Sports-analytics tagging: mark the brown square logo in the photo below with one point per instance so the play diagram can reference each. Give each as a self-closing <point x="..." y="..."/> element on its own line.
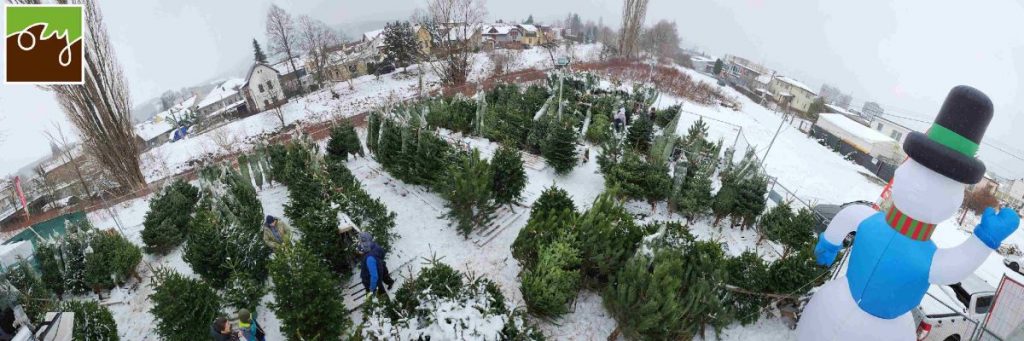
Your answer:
<point x="44" y="44"/>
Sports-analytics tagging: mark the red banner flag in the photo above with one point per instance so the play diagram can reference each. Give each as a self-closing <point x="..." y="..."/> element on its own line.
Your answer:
<point x="21" y="194"/>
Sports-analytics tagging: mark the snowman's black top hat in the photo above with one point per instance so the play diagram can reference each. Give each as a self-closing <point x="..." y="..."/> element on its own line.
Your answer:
<point x="950" y="146"/>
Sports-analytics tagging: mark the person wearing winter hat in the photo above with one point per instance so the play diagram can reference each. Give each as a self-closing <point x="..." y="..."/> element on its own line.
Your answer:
<point x="221" y="331"/>
<point x="251" y="330"/>
<point x="372" y="268"/>
<point x="276" y="232"/>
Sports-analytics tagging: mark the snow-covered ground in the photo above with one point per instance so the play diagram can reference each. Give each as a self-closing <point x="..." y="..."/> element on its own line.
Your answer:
<point x="800" y="163"/>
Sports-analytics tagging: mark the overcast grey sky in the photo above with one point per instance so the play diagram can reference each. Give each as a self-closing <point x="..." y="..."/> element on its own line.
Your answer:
<point x="903" y="54"/>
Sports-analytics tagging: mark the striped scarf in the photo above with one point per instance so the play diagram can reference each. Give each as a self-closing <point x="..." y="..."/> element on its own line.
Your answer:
<point x="907" y="226"/>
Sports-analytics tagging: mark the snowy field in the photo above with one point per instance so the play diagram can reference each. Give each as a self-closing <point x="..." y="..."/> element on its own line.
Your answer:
<point x="812" y="171"/>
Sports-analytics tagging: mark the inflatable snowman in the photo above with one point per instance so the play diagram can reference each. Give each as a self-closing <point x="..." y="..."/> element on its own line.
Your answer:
<point x="893" y="260"/>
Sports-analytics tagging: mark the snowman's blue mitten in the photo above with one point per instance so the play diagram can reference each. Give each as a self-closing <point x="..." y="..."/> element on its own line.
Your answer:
<point x="996" y="227"/>
<point x="825" y="252"/>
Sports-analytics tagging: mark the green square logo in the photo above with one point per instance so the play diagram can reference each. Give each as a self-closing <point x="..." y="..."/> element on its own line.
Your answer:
<point x="44" y="44"/>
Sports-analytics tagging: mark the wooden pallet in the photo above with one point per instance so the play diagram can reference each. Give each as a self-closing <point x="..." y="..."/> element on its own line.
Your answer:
<point x="504" y="218"/>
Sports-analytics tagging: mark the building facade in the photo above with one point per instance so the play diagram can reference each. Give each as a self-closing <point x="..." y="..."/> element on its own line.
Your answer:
<point x="262" y="89"/>
<point x="789" y="91"/>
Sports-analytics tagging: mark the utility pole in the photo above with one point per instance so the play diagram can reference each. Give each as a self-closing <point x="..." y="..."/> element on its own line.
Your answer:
<point x="777" y="131"/>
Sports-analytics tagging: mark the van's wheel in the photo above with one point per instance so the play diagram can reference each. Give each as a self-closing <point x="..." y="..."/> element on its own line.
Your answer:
<point x="1015" y="267"/>
<point x="953" y="338"/>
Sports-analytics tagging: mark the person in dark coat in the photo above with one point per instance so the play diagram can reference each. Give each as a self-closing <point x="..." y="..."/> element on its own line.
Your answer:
<point x="372" y="268"/>
<point x="221" y="331"/>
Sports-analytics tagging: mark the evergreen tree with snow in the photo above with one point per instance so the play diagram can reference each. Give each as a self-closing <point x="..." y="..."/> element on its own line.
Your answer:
<point x="544" y="228"/>
<point x="509" y="176"/>
<point x="796" y="274"/>
<point x="468" y="193"/>
<point x="313" y="215"/>
<point x="725" y="201"/>
<point x="21" y="285"/>
<point x="401" y="48"/>
<point x="750" y="273"/>
<point x="751" y="199"/>
<point x="638" y="178"/>
<point x="257" y="51"/>
<point x="695" y="198"/>
<point x="112" y="261"/>
<point x="243" y="168"/>
<point x="641" y="134"/>
<point x="646" y="298"/>
<point x="608" y="237"/>
<point x="559" y="146"/>
<point x="529" y="20"/>
<point x="344" y="141"/>
<point x="183" y="307"/>
<point x="92" y="321"/>
<point x="433" y="154"/>
<point x="166" y="224"/>
<point x="307" y="296"/>
<point x="552" y="199"/>
<point x="373" y="131"/>
<point x="553" y="283"/>
<point x="207" y="248"/>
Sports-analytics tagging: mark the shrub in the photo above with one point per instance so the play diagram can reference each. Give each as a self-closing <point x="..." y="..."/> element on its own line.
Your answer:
<point x="183" y="307"/>
<point x="92" y="321"/>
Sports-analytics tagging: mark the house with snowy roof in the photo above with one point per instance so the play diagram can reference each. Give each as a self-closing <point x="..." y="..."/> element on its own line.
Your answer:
<point x="867" y="147"/>
<point x="224" y="98"/>
<point x="262" y="89"/>
<point x="500" y="33"/>
<point x="292" y="74"/>
<point x="531" y="35"/>
<point x="897" y="126"/>
<point x="791" y="93"/>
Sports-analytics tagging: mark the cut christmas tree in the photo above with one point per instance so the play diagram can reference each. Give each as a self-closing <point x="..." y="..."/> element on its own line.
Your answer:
<point x="307" y="296"/>
<point x="183" y="307"/>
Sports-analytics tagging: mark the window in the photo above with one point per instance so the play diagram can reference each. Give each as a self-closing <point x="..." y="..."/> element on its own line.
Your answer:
<point x="270" y="85"/>
<point x="879" y="126"/>
<point x="982" y="304"/>
<point x="261" y="88"/>
<point x="266" y="102"/>
<point x="896" y="135"/>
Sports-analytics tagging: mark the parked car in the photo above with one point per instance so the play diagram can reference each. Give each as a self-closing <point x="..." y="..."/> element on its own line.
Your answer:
<point x="825" y="214"/>
<point x="1013" y="262"/>
<point x="947" y="311"/>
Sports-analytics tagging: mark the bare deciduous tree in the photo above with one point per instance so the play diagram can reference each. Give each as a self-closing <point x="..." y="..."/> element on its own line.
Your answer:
<point x="58" y="138"/>
<point x="100" y="108"/>
<point x="453" y="24"/>
<point x="661" y="40"/>
<point x="281" y="34"/>
<point x="633" y="13"/>
<point x="317" y="39"/>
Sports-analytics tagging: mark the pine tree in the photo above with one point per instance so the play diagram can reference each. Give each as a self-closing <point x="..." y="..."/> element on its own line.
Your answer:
<point x="639" y="179"/>
<point x="608" y="237"/>
<point x="258" y="55"/>
<point x="242" y="291"/>
<point x="554" y="282"/>
<point x="207" y="249"/>
<point x="21" y="285"/>
<point x="370" y="214"/>
<point x="318" y="223"/>
<point x="400" y="44"/>
<point x="718" y="66"/>
<point x="62" y="259"/>
<point x="433" y="154"/>
<point x="751" y="198"/>
<point x="373" y="131"/>
<point x="647" y="297"/>
<point x="92" y="321"/>
<point x="166" y="223"/>
<point x="641" y="133"/>
<point x="243" y="168"/>
<point x="529" y="20"/>
<point x="183" y="307"/>
<point x="307" y="298"/>
<point x="469" y="193"/>
<point x="796" y="274"/>
<point x="389" y="149"/>
<point x="695" y="198"/>
<point x="344" y="141"/>
<point x="750" y="273"/>
<point x="726" y="199"/>
<point x="544" y="228"/>
<point x="112" y="261"/>
<point x="257" y="172"/>
<point x="552" y="199"/>
<point x="509" y="177"/>
<point x="559" y="148"/>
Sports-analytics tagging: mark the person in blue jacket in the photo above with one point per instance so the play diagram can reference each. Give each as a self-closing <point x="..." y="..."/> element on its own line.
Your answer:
<point x="372" y="268"/>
